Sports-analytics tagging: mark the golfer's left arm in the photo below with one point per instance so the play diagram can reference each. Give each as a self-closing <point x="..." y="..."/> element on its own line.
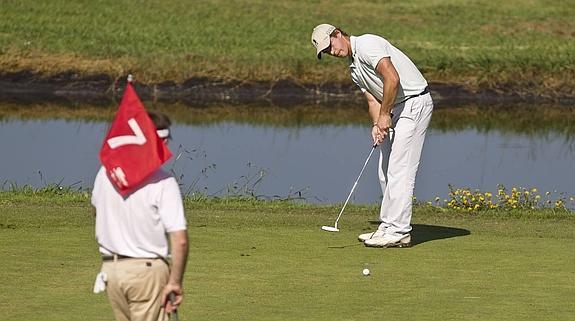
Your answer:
<point x="179" y="243"/>
<point x="373" y="106"/>
<point x="390" y="84"/>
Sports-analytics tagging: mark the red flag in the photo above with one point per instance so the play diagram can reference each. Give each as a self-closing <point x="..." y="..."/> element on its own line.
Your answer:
<point x="132" y="149"/>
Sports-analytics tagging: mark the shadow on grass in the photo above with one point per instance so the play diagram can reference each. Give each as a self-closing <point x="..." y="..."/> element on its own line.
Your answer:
<point x="422" y="233"/>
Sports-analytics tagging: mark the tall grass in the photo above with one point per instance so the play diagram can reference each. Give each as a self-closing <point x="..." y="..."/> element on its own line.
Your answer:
<point x="478" y="42"/>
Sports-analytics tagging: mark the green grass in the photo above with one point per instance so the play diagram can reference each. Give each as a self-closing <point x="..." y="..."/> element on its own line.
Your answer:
<point x="254" y="260"/>
<point x="479" y="43"/>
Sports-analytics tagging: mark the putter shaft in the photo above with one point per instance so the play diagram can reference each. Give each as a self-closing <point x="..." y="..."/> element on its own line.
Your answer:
<point x="354" y="185"/>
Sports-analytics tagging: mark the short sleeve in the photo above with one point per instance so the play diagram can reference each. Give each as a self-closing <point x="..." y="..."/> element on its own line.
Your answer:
<point x="373" y="49"/>
<point x="97" y="186"/>
<point x="171" y="207"/>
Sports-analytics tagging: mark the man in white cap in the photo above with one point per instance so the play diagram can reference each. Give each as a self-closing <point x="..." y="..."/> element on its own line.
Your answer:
<point x="400" y="108"/>
<point x="135" y="233"/>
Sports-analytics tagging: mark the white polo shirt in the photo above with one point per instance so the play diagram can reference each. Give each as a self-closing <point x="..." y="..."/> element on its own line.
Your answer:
<point x="137" y="226"/>
<point x="367" y="50"/>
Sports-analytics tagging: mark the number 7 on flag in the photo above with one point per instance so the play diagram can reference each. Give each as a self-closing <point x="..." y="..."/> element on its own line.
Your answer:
<point x="137" y="139"/>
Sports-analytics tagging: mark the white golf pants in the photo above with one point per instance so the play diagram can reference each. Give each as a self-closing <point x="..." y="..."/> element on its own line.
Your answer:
<point x="399" y="159"/>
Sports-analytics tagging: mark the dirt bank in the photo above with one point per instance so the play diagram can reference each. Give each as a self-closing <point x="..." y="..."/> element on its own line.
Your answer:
<point x="29" y="87"/>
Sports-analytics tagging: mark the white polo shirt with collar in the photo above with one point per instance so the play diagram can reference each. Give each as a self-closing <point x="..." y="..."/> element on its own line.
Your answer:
<point x="367" y="50"/>
<point x="136" y="226"/>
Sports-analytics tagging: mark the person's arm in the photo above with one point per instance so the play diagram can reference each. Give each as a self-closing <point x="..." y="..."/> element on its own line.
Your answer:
<point x="179" y="245"/>
<point x="373" y="107"/>
<point x="390" y="83"/>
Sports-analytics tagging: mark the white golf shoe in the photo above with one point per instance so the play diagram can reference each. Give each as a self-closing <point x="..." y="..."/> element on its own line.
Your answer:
<point x="390" y="240"/>
<point x="370" y="235"/>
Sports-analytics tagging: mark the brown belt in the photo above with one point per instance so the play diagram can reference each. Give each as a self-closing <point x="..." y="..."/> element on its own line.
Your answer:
<point x="107" y="258"/>
<point x="117" y="256"/>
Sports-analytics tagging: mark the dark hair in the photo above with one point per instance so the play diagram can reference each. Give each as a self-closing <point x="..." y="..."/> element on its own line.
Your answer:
<point x="339" y="29"/>
<point x="160" y="120"/>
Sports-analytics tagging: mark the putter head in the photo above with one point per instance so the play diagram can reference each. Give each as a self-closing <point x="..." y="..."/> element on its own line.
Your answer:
<point x="330" y="228"/>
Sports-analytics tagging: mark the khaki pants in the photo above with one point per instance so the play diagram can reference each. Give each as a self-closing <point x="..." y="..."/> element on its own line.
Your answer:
<point x="134" y="288"/>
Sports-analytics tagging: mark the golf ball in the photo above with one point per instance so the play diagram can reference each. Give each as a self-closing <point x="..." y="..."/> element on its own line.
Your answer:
<point x="365" y="272"/>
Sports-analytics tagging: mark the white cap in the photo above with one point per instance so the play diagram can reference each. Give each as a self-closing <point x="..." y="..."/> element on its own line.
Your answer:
<point x="320" y="37"/>
<point x="163" y="133"/>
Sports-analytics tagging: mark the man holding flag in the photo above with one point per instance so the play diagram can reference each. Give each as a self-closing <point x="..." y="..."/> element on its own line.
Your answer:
<point x="139" y="211"/>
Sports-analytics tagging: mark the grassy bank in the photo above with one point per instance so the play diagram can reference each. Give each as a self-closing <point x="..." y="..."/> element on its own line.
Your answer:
<point x="518" y="45"/>
<point x="269" y="261"/>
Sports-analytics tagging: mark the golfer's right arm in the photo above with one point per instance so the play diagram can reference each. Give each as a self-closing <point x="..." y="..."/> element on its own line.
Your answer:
<point x="179" y="243"/>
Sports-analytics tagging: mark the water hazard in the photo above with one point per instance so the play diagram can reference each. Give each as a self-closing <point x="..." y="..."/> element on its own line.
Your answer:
<point x="315" y="161"/>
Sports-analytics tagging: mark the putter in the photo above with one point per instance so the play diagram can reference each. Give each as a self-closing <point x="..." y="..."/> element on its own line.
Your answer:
<point x="334" y="228"/>
<point x="173" y="314"/>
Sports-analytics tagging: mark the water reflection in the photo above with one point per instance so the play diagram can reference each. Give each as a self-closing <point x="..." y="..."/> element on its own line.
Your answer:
<point x="320" y="162"/>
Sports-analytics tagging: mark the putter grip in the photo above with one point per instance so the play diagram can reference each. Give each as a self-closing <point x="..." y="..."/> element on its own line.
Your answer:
<point x="174" y="314"/>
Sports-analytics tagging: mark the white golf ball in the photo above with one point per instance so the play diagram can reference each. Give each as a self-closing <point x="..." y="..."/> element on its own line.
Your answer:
<point x="365" y="272"/>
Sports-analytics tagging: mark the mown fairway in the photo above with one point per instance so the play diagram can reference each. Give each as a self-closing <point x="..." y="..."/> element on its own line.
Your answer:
<point x="254" y="261"/>
<point x="487" y="43"/>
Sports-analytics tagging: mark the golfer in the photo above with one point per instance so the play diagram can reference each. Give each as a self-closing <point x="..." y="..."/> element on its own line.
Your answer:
<point x="400" y="108"/>
<point x="132" y="234"/>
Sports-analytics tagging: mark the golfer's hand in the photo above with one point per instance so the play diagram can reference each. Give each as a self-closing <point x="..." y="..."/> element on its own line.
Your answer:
<point x="375" y="135"/>
<point x="383" y="126"/>
<point x="178" y="294"/>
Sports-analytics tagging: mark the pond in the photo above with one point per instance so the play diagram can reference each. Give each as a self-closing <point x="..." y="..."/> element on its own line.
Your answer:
<point x="317" y="161"/>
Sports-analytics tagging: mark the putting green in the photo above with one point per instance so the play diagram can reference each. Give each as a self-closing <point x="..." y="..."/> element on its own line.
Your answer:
<point x="252" y="261"/>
